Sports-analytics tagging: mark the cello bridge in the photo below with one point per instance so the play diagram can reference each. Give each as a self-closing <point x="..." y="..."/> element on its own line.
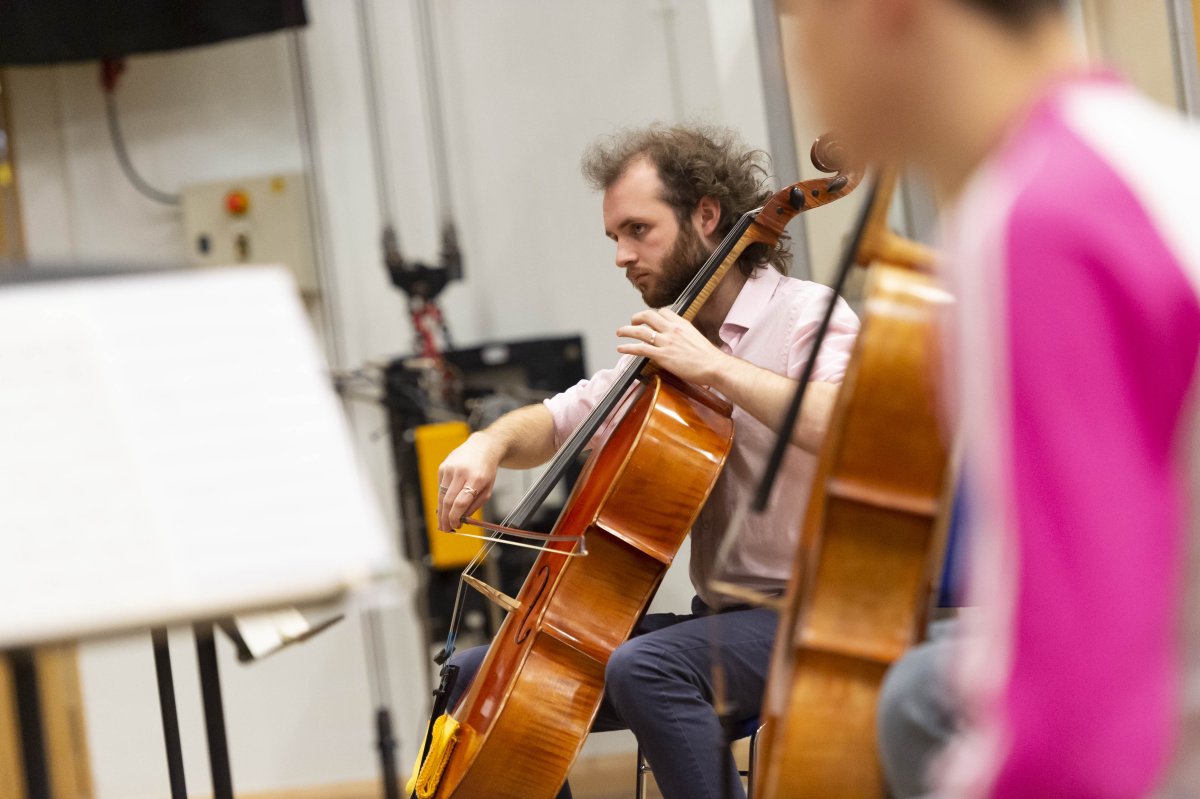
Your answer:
<point x="494" y="594"/>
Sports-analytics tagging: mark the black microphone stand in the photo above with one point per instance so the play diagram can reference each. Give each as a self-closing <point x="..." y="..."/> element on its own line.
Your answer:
<point x="29" y="718"/>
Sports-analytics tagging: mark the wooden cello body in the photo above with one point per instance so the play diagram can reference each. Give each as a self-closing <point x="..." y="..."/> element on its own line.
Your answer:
<point x="525" y="718"/>
<point x="870" y="545"/>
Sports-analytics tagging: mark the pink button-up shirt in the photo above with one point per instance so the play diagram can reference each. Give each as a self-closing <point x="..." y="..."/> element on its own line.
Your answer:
<point x="771" y="324"/>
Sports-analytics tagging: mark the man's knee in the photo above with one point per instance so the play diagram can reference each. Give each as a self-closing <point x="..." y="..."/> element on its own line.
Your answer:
<point x="631" y="668"/>
<point x="914" y="695"/>
<point x="468" y="662"/>
<point x="902" y="680"/>
<point x="915" y="717"/>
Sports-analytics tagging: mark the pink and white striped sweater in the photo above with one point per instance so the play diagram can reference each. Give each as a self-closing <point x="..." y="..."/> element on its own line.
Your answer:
<point x="1075" y="254"/>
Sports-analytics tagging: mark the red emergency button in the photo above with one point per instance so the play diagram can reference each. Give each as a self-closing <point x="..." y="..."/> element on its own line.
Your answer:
<point x="236" y="202"/>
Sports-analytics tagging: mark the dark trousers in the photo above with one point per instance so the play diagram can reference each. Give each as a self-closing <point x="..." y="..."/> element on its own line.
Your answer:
<point x="659" y="684"/>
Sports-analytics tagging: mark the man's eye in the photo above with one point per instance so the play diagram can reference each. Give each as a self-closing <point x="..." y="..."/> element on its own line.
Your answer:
<point x="638" y="229"/>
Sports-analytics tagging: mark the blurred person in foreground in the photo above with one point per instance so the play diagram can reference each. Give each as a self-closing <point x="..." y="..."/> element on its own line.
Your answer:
<point x="1071" y="240"/>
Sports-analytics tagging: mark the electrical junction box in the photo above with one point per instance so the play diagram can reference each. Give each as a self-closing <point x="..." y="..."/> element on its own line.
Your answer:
<point x="257" y="220"/>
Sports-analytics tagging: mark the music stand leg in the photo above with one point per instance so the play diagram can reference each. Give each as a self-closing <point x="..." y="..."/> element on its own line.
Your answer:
<point x="170" y="718"/>
<point x="386" y="743"/>
<point x="214" y="712"/>
<point x="29" y="717"/>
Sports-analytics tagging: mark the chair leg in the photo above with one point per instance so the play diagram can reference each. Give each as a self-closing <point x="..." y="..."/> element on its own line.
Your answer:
<point x="642" y="768"/>
<point x="752" y="765"/>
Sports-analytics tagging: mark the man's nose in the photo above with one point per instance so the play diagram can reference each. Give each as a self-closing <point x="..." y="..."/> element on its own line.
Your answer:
<point x="626" y="257"/>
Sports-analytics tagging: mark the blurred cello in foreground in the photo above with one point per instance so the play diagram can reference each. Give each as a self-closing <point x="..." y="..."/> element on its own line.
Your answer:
<point x="871" y="541"/>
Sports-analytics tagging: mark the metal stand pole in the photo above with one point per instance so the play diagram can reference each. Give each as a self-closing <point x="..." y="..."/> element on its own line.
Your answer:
<point x="781" y="132"/>
<point x="378" y="674"/>
<point x="385" y="741"/>
<point x="170" y="718"/>
<point x="214" y="712"/>
<point x="29" y="717"/>
<point x="1183" y="47"/>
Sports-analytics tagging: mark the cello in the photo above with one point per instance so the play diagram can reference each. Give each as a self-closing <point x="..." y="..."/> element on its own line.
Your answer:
<point x="520" y="726"/>
<point x="871" y="540"/>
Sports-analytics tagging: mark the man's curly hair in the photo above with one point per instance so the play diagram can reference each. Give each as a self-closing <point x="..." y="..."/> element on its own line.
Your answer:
<point x="693" y="162"/>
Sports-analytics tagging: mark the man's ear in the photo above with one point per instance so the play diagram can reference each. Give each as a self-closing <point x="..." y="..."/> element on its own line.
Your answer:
<point x="707" y="216"/>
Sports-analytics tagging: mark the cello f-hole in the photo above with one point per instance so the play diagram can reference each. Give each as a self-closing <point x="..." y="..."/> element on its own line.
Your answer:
<point x="525" y="628"/>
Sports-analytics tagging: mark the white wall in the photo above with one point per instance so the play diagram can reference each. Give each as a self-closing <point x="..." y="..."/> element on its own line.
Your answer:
<point x="1135" y="39"/>
<point x="527" y="85"/>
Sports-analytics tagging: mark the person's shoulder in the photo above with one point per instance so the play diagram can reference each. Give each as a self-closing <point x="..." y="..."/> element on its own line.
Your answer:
<point x="800" y="290"/>
<point x="1103" y="226"/>
<point x="807" y="300"/>
<point x="1096" y="169"/>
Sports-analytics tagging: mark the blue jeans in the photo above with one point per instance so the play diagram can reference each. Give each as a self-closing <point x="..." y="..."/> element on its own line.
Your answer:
<point x="917" y="713"/>
<point x="659" y="685"/>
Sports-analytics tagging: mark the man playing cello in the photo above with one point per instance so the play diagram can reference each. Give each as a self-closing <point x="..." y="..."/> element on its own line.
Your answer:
<point x="670" y="196"/>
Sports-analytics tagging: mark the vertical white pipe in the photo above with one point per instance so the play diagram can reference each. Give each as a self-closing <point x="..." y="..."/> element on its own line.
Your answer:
<point x="781" y="133"/>
<point x="1183" y="46"/>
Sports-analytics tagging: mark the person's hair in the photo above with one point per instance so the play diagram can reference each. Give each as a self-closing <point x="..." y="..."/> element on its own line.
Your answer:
<point x="1017" y="13"/>
<point x="694" y="162"/>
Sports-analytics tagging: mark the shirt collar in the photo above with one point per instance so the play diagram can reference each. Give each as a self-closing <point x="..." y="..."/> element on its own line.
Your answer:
<point x="749" y="305"/>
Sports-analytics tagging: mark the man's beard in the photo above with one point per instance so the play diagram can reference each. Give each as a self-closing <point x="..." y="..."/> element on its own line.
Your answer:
<point x="682" y="263"/>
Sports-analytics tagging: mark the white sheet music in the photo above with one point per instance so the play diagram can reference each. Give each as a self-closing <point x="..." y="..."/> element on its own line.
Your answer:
<point x="170" y="448"/>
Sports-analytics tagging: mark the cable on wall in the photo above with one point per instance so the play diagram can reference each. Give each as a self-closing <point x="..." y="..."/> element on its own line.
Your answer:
<point x="375" y="126"/>
<point x="669" y="15"/>
<point x="110" y="71"/>
<point x="431" y="90"/>
<point x="421" y="282"/>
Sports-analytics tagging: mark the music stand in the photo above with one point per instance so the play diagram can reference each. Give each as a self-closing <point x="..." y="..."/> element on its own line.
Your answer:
<point x="171" y="451"/>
